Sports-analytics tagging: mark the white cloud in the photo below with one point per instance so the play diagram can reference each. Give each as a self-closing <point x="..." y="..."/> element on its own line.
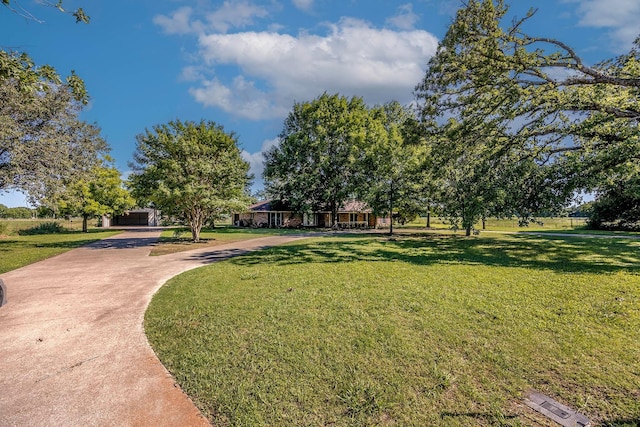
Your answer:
<point x="304" y="5"/>
<point x="353" y="58"/>
<point x="256" y="160"/>
<point x="241" y="98"/>
<point x="179" y="22"/>
<point x="232" y="14"/>
<point x="235" y="14"/>
<point x="405" y="19"/>
<point x="621" y="16"/>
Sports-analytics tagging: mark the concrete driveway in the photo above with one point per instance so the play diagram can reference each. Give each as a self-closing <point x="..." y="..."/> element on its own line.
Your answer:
<point x="72" y="346"/>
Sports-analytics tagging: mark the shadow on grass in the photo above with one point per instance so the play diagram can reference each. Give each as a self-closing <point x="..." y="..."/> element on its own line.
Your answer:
<point x="558" y="254"/>
<point x="635" y="422"/>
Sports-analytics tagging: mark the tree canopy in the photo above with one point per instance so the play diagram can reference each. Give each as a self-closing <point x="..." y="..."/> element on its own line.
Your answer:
<point x="563" y="125"/>
<point x="191" y="170"/>
<point x="392" y="165"/>
<point x="313" y="167"/>
<point x="42" y="140"/>
<point x="99" y="192"/>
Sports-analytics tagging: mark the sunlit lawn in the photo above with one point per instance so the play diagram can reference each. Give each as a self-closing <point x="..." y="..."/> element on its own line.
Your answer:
<point x="179" y="239"/>
<point x="411" y="331"/>
<point x="557" y="224"/>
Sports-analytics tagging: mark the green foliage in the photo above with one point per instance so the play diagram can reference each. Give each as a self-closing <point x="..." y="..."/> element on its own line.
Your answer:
<point x="392" y="165"/>
<point x="43" y="228"/>
<point x="315" y="165"/>
<point x="4" y="228"/>
<point x="417" y="331"/>
<point x="99" y="192"/>
<point x="559" y="133"/>
<point x="34" y="157"/>
<point x="16" y="213"/>
<point x="617" y="204"/>
<point x="193" y="171"/>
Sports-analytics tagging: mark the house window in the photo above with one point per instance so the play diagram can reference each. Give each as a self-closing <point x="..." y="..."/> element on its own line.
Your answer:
<point x="309" y="220"/>
<point x="353" y="217"/>
<point x="276" y="219"/>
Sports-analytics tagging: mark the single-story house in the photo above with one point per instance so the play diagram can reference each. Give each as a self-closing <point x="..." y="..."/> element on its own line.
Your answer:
<point x="135" y="217"/>
<point x="274" y="213"/>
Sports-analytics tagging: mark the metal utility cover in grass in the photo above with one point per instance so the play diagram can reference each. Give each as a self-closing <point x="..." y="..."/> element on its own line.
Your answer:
<point x="558" y="412"/>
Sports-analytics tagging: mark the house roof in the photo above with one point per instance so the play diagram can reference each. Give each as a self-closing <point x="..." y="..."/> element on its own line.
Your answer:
<point x="355" y="206"/>
<point x="269" y="206"/>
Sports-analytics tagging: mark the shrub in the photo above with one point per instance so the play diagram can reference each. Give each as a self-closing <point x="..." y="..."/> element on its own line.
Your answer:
<point x="43" y="228"/>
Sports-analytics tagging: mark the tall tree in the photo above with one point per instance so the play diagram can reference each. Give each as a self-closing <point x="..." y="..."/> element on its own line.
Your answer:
<point x="100" y="192"/>
<point x="391" y="166"/>
<point x="314" y="166"/>
<point x="42" y="141"/>
<point x="191" y="170"/>
<point x="576" y="127"/>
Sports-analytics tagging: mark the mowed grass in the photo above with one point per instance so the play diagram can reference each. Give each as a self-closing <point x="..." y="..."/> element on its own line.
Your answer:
<point x="17" y="251"/>
<point x="555" y="224"/>
<point x="412" y="331"/>
<point x="179" y="239"/>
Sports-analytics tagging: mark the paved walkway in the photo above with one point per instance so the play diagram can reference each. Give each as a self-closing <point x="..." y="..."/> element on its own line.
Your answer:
<point x="72" y="346"/>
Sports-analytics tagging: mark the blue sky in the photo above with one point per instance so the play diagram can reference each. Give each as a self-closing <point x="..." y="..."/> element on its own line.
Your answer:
<point x="243" y="63"/>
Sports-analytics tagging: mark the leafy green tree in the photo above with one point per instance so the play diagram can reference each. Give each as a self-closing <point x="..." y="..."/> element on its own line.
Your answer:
<point x="468" y="171"/>
<point x="315" y="165"/>
<point x="617" y="203"/>
<point x="193" y="171"/>
<point x="100" y="192"/>
<point x="42" y="141"/>
<point x="391" y="166"/>
<point x="575" y="127"/>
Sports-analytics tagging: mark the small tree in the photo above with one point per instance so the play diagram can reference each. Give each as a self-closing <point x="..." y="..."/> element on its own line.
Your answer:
<point x="101" y="192"/>
<point x="193" y="171"/>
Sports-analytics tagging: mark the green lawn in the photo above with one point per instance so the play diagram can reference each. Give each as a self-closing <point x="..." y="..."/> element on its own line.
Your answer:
<point x="411" y="331"/>
<point x="179" y="239"/>
<point x="557" y="224"/>
<point x="17" y="251"/>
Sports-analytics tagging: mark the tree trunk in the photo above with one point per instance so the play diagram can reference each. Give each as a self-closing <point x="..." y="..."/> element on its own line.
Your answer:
<point x="85" y="220"/>
<point x="195" y="223"/>
<point x="467" y="230"/>
<point x="484" y="223"/>
<point x="429" y="218"/>
<point x="334" y="214"/>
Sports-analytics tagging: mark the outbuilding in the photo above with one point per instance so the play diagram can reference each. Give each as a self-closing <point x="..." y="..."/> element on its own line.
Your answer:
<point x="136" y="217"/>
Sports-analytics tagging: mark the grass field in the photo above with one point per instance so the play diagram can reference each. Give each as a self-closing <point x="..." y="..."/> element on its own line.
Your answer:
<point x="411" y="331"/>
<point x="493" y="224"/>
<point x="19" y="250"/>
<point x="179" y="239"/>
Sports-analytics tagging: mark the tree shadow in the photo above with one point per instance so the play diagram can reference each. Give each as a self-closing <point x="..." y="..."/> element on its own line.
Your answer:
<point x="552" y="253"/>
<point x="629" y="422"/>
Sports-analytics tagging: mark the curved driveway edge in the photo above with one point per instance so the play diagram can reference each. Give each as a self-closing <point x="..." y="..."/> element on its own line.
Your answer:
<point x="72" y="346"/>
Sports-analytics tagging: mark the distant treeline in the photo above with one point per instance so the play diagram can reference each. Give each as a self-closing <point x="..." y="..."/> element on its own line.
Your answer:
<point x="25" y="213"/>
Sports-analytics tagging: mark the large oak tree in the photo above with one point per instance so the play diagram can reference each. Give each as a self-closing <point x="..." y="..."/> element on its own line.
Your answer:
<point x="567" y="124"/>
<point x="314" y="167"/>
